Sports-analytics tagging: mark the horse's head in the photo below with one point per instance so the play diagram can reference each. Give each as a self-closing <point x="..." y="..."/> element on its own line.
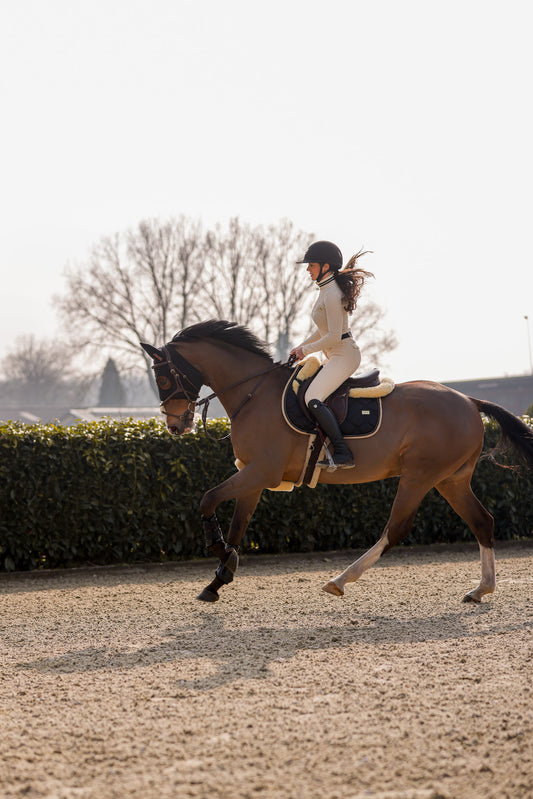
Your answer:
<point x="178" y="383"/>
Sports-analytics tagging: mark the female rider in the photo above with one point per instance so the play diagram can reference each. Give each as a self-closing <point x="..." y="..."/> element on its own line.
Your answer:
<point x="338" y="295"/>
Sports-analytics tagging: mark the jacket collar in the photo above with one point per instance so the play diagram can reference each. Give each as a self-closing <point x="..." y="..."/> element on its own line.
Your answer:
<point x="326" y="281"/>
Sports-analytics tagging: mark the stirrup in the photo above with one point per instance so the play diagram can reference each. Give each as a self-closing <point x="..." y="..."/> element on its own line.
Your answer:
<point x="331" y="465"/>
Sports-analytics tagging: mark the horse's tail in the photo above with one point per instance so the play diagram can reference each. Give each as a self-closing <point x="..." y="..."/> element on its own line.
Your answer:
<point x="516" y="435"/>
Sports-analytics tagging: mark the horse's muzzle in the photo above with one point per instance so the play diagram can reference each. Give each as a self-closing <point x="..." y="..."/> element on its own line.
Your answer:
<point x="180" y="429"/>
<point x="179" y="423"/>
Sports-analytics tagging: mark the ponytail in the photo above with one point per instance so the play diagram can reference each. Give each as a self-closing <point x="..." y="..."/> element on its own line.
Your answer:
<point x="351" y="280"/>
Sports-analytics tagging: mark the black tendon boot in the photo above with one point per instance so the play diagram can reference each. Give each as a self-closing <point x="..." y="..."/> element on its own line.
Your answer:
<point x="342" y="456"/>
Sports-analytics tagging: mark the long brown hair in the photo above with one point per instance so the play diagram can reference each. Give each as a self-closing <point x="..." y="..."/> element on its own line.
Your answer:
<point x="351" y="280"/>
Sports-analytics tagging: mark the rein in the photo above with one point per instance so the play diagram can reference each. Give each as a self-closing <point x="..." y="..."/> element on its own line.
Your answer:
<point x="205" y="402"/>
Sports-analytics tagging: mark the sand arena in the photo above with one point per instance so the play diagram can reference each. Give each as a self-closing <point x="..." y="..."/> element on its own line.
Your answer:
<point x="118" y="683"/>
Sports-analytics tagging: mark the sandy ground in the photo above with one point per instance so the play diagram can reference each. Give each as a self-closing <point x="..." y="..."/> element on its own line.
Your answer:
<point x="117" y="683"/>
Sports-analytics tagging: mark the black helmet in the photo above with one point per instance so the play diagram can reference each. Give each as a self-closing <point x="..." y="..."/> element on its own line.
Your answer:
<point x="323" y="252"/>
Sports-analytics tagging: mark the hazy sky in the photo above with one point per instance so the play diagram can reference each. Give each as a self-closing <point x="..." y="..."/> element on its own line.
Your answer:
<point x="405" y="127"/>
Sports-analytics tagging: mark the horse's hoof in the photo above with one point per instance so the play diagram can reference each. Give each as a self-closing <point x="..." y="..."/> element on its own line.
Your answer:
<point x="333" y="588"/>
<point x="208" y="596"/>
<point x="470" y="598"/>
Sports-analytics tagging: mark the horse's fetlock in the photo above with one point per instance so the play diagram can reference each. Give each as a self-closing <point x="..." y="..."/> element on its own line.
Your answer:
<point x="224" y="574"/>
<point x="227" y="568"/>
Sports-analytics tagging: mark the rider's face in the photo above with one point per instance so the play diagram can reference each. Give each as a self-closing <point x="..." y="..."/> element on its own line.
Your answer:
<point x="314" y="270"/>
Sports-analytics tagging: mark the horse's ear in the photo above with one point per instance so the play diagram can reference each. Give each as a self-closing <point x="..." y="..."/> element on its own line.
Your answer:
<point x="153" y="352"/>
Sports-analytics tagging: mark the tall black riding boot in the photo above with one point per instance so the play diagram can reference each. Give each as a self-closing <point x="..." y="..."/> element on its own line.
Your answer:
<point x="342" y="456"/>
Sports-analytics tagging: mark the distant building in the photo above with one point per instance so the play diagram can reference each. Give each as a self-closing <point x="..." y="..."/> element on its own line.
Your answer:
<point x="30" y="414"/>
<point x="69" y="416"/>
<point x="35" y="414"/>
<point x="75" y="415"/>
<point x="513" y="393"/>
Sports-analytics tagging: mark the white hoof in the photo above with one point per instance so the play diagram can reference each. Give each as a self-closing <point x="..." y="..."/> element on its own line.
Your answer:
<point x="472" y="597"/>
<point x="332" y="588"/>
<point x="479" y="593"/>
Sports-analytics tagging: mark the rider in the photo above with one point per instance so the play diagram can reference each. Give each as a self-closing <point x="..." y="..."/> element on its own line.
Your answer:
<point x="339" y="291"/>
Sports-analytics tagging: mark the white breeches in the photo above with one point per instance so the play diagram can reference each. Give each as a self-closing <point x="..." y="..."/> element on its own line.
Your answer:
<point x="338" y="367"/>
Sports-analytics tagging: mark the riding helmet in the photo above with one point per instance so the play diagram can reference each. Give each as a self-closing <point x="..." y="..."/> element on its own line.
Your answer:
<point x="323" y="252"/>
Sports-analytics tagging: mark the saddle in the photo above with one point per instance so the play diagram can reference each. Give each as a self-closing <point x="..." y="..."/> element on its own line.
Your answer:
<point x="356" y="403"/>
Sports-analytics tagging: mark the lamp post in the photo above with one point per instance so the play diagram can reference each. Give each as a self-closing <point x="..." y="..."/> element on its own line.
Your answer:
<point x="529" y="343"/>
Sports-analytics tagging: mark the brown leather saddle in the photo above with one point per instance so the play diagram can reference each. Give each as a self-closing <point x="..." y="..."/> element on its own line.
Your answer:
<point x="338" y="400"/>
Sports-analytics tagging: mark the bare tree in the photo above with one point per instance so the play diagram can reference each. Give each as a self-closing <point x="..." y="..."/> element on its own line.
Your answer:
<point x="375" y="342"/>
<point x="39" y="372"/>
<point x="285" y="293"/>
<point x="150" y="281"/>
<point x="253" y="278"/>
<point x="136" y="286"/>
<point x="230" y="291"/>
<point x="171" y="256"/>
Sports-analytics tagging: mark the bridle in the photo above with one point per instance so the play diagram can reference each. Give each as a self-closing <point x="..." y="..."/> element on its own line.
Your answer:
<point x="184" y="381"/>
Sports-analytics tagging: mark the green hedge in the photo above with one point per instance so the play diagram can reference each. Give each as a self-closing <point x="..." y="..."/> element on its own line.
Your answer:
<point x="111" y="492"/>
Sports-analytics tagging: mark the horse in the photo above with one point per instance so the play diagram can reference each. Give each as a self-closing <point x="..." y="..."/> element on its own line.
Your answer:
<point x="430" y="436"/>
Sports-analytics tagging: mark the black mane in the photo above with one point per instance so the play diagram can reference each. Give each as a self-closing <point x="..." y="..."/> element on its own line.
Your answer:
<point x="226" y="332"/>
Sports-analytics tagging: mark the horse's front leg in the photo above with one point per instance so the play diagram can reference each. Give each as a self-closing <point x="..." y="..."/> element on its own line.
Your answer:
<point x="228" y="553"/>
<point x="246" y="489"/>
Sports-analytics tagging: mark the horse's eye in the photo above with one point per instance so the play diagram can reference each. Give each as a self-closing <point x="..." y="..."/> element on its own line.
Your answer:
<point x="163" y="382"/>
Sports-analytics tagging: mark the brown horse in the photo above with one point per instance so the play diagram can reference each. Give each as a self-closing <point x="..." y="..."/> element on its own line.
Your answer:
<point x="430" y="436"/>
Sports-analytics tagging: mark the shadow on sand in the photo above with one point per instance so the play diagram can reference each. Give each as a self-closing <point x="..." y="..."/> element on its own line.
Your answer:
<point x="248" y="654"/>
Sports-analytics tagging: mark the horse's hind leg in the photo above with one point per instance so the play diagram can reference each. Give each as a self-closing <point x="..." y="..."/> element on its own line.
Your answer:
<point x="357" y="568"/>
<point x="458" y="493"/>
<point x="409" y="496"/>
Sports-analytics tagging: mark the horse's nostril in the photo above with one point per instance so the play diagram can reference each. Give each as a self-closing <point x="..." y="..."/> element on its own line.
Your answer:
<point x="173" y="429"/>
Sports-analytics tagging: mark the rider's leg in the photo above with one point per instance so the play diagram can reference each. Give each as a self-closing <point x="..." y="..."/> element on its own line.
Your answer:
<point x="342" y="455"/>
<point x="335" y="370"/>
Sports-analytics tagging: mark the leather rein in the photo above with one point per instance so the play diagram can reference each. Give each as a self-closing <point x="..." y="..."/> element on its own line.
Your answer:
<point x="191" y="395"/>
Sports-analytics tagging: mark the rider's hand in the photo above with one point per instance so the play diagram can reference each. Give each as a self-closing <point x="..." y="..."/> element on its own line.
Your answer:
<point x="297" y="353"/>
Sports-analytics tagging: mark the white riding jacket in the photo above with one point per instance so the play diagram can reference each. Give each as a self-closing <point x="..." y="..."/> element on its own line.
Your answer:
<point x="342" y="354"/>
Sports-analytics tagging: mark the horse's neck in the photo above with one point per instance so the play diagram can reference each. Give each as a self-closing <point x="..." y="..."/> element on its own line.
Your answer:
<point x="225" y="367"/>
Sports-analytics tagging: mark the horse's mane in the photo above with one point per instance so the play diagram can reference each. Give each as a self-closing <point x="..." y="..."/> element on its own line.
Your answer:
<point x="226" y="332"/>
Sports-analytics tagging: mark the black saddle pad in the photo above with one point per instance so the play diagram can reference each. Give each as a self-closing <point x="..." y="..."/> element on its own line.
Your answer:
<point x="363" y="417"/>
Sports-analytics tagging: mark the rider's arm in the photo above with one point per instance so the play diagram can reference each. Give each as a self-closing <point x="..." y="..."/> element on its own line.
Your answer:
<point x="312" y="338"/>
